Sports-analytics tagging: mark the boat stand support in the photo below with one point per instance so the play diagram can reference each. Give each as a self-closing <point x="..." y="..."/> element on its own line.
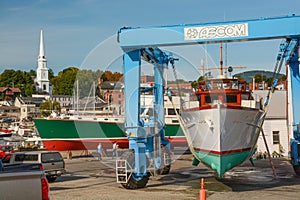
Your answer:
<point x="269" y="155"/>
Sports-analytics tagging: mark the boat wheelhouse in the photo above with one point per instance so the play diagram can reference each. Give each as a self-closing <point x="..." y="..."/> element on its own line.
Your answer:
<point x="226" y="91"/>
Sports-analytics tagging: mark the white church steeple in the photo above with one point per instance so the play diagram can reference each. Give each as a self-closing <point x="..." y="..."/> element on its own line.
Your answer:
<point x="42" y="52"/>
<point x="42" y="81"/>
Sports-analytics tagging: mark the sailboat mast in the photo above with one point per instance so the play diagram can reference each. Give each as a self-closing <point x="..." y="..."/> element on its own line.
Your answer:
<point x="77" y="98"/>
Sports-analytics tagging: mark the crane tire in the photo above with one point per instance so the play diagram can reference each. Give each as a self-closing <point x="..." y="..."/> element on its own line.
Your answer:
<point x="134" y="182"/>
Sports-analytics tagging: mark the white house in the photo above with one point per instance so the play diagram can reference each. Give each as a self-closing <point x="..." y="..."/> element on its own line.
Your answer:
<point x="275" y="126"/>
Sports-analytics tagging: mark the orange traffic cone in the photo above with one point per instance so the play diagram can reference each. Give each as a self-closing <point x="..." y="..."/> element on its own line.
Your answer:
<point x="202" y="193"/>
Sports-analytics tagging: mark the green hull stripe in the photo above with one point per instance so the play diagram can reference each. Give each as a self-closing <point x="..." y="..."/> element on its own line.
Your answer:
<point x="68" y="129"/>
<point x="222" y="163"/>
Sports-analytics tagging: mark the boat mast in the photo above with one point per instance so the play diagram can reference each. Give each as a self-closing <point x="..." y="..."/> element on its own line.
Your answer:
<point x="94" y="97"/>
<point x="221" y="59"/>
<point x="77" y="98"/>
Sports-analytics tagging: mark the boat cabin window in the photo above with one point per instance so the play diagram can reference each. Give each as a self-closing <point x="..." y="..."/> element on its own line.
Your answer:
<point x="215" y="98"/>
<point x="226" y="85"/>
<point x="242" y="86"/>
<point x="222" y="84"/>
<point x="208" y="85"/>
<point x="221" y="91"/>
<point x="202" y="87"/>
<point x="171" y="111"/>
<point x="211" y="98"/>
<point x="235" y="84"/>
<point x="147" y="111"/>
<point x="217" y="85"/>
<point x="231" y="98"/>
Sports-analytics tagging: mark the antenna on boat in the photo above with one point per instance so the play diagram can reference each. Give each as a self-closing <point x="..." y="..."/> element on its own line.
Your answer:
<point x="202" y="66"/>
<point x="220" y="68"/>
<point x="221" y="59"/>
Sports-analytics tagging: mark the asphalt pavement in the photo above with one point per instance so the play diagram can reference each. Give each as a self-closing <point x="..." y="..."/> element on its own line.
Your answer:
<point x="87" y="178"/>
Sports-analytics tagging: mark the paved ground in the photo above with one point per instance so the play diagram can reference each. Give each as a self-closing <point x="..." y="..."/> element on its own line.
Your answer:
<point x="88" y="178"/>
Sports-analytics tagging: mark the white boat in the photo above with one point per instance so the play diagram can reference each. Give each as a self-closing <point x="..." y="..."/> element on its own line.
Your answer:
<point x="223" y="129"/>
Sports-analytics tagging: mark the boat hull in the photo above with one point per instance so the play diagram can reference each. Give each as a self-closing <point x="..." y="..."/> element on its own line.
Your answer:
<point x="222" y="137"/>
<point x="66" y="135"/>
<point x="2" y="135"/>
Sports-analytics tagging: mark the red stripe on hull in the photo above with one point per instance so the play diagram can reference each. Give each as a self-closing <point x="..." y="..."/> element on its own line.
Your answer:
<point x="228" y="105"/>
<point x="67" y="145"/>
<point x="223" y="152"/>
<point x="178" y="142"/>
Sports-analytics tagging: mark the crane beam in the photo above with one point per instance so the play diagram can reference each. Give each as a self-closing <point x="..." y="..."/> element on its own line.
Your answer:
<point x="183" y="34"/>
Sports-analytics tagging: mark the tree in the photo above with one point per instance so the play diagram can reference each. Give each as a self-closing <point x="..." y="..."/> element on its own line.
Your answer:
<point x="260" y="78"/>
<point x="201" y="78"/>
<point x="63" y="84"/>
<point x="48" y="106"/>
<point x="283" y="78"/>
<point x="18" y="79"/>
<point x="109" y="76"/>
<point x="194" y="84"/>
<point x="32" y="73"/>
<point x="239" y="77"/>
<point x="50" y="74"/>
<point x="86" y="79"/>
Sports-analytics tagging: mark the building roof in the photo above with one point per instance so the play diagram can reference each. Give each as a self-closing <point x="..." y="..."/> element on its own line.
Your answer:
<point x="277" y="107"/>
<point x="31" y="100"/>
<point x="57" y="96"/>
<point x="2" y="89"/>
<point x="112" y="85"/>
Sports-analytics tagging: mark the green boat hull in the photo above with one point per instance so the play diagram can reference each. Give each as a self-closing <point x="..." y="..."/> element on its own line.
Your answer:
<point x="221" y="163"/>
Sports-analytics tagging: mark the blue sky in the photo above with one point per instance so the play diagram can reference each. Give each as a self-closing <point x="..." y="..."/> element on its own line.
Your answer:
<point x="77" y="31"/>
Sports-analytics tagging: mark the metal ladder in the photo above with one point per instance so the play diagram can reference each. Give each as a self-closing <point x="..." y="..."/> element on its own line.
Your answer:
<point x="123" y="171"/>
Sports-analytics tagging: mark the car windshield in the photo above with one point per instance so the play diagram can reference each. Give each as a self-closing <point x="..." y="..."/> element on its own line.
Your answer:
<point x="51" y="157"/>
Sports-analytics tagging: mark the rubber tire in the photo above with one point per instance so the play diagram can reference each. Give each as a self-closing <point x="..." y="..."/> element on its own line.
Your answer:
<point x="297" y="170"/>
<point x="51" y="179"/>
<point x="166" y="169"/>
<point x="132" y="182"/>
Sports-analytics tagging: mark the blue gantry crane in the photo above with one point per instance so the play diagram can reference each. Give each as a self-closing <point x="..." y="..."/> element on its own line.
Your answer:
<point x="149" y="150"/>
<point x="148" y="147"/>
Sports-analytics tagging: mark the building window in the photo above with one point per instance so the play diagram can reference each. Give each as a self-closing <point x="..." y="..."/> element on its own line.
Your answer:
<point x="276" y="137"/>
<point x="44" y="87"/>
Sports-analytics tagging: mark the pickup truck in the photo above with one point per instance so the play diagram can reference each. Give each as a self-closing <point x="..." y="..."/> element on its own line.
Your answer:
<point x="23" y="181"/>
<point x="52" y="161"/>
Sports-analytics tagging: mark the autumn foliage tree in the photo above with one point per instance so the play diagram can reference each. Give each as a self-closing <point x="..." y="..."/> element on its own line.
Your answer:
<point x="109" y="76"/>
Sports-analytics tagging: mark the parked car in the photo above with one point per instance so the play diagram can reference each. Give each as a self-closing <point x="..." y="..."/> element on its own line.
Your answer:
<point x="23" y="181"/>
<point x="5" y="149"/>
<point x="7" y="120"/>
<point x="52" y="161"/>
